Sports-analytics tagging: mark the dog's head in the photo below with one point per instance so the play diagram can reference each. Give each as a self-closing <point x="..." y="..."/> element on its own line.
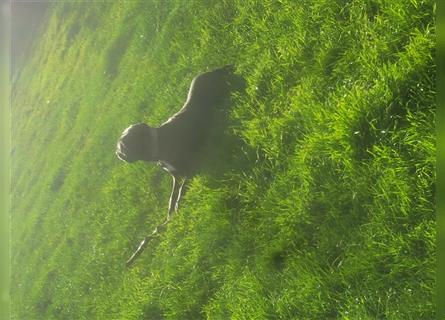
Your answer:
<point x="137" y="142"/>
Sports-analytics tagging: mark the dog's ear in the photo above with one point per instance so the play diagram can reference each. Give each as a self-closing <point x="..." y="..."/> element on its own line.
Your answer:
<point x="134" y="143"/>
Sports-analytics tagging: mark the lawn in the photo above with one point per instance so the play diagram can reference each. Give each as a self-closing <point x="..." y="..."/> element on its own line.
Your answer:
<point x="317" y="203"/>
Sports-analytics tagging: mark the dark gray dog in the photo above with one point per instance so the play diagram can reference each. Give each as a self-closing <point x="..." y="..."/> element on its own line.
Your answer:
<point x="175" y="145"/>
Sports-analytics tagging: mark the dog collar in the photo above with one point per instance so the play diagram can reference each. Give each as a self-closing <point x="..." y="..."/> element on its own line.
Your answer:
<point x="167" y="167"/>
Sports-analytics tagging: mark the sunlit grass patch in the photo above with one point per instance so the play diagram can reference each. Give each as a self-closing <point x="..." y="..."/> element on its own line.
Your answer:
<point x="317" y="203"/>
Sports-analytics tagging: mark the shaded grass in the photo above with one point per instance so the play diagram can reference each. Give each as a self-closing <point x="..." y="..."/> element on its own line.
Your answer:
<point x="317" y="203"/>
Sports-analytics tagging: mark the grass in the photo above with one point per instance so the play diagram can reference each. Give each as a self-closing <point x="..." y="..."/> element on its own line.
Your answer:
<point x="317" y="204"/>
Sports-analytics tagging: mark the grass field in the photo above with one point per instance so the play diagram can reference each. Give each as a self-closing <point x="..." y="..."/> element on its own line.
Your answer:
<point x="318" y="203"/>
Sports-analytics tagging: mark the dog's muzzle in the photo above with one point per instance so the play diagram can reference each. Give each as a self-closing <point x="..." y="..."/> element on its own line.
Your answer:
<point x="120" y="152"/>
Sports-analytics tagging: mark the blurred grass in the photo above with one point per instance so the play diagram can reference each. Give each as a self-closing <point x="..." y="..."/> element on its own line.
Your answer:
<point x="5" y="160"/>
<point x="318" y="203"/>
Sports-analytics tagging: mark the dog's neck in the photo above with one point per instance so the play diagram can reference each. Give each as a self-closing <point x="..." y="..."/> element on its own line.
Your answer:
<point x="161" y="142"/>
<point x="154" y="143"/>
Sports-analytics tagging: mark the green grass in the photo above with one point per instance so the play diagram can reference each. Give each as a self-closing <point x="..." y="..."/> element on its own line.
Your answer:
<point x="317" y="204"/>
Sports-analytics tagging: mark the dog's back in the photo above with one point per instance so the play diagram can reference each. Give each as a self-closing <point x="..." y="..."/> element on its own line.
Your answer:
<point x="188" y="129"/>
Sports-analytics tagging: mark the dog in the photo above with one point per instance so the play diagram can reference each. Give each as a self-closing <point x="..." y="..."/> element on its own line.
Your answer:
<point x="176" y="144"/>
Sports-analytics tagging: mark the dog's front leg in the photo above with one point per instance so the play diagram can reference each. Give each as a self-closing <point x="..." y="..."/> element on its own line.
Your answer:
<point x="173" y="197"/>
<point x="177" y="191"/>
<point x="182" y="190"/>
